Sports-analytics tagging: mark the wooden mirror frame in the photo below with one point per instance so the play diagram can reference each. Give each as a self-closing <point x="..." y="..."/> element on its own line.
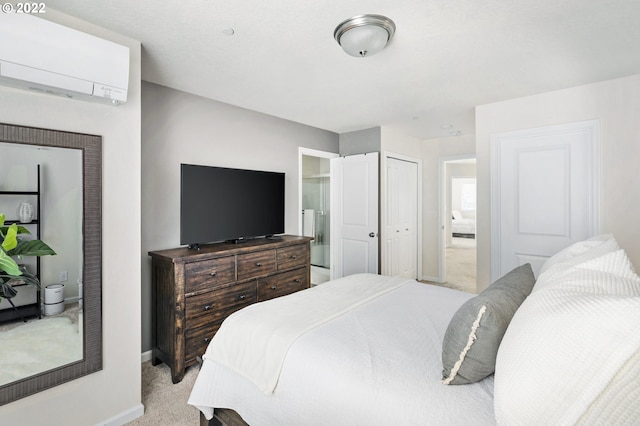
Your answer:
<point x="91" y="147"/>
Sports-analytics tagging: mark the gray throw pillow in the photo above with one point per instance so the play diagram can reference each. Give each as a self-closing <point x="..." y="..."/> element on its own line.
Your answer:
<point x="471" y="342"/>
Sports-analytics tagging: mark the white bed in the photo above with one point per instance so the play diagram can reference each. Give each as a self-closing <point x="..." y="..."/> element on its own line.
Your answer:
<point x="379" y="363"/>
<point x="461" y="226"/>
<point x="562" y="349"/>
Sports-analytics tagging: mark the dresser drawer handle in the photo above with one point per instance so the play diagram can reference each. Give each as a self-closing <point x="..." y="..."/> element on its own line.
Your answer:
<point x="294" y="257"/>
<point x="213" y="274"/>
<point x="207" y="339"/>
<point x="242" y="297"/>
<point x="258" y="264"/>
<point x="297" y="280"/>
<point x="273" y="287"/>
<point x="207" y="307"/>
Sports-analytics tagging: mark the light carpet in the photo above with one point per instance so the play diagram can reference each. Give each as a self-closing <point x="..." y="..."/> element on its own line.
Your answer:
<point x="165" y="404"/>
<point x="39" y="345"/>
<point x="461" y="265"/>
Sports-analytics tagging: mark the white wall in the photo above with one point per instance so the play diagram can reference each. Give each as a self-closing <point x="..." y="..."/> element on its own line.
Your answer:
<point x="395" y="142"/>
<point x="616" y="104"/>
<point x="116" y="389"/>
<point x="178" y="127"/>
<point x="432" y="151"/>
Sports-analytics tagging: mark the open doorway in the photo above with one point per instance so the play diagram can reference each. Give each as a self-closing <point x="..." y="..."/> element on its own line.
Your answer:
<point x="315" y="209"/>
<point x="458" y="242"/>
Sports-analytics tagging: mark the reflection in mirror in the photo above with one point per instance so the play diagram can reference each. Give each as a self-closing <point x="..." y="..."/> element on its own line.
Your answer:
<point x="55" y="335"/>
<point x="42" y="332"/>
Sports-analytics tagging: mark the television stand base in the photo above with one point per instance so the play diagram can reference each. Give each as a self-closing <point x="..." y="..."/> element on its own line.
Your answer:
<point x="237" y="241"/>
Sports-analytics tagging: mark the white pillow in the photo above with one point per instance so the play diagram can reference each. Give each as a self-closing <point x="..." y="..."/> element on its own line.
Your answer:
<point x="594" y="276"/>
<point x="457" y="215"/>
<point x="570" y="353"/>
<point x="581" y="251"/>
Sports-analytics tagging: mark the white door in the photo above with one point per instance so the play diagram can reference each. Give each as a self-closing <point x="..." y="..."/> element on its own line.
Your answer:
<point x="544" y="193"/>
<point x="401" y="218"/>
<point x="354" y="226"/>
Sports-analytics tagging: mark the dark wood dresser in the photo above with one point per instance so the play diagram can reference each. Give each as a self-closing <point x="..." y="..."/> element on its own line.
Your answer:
<point x="195" y="290"/>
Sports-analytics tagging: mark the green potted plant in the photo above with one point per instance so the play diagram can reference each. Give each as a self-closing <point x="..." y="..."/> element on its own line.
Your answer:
<point x="12" y="245"/>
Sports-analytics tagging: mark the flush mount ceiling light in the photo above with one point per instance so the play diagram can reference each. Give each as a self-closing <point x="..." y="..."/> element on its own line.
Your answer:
<point x="364" y="35"/>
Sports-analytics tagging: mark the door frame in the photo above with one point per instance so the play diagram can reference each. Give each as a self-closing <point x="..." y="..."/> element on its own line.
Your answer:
<point x="309" y="152"/>
<point x="443" y="184"/>
<point x="383" y="208"/>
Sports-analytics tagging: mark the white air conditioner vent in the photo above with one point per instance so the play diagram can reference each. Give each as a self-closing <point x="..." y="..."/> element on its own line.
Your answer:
<point x="43" y="56"/>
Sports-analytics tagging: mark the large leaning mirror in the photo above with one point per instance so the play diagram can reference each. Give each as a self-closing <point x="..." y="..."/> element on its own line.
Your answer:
<point x="52" y="335"/>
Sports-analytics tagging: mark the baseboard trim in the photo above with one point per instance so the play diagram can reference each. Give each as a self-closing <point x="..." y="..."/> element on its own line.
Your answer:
<point x="146" y="356"/>
<point x="432" y="279"/>
<point x="124" y="417"/>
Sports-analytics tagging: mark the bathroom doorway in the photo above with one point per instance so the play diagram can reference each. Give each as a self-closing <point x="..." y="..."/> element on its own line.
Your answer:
<point x="315" y="209"/>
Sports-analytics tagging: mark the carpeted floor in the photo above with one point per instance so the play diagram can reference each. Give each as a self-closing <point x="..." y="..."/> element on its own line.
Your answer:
<point x="461" y="264"/>
<point x="40" y="344"/>
<point x="165" y="404"/>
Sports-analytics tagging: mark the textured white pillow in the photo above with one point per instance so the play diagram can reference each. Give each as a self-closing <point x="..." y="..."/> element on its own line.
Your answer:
<point x="570" y="353"/>
<point x="594" y="276"/>
<point x="581" y="251"/>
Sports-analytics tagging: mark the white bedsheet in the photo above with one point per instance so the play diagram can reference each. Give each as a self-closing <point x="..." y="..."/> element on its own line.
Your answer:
<point x="378" y="364"/>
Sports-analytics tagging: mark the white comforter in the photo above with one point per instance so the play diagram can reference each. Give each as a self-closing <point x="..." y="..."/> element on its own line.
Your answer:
<point x="255" y="343"/>
<point x="379" y="363"/>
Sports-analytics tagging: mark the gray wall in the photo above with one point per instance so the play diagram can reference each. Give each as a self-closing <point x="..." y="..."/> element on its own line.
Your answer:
<point x="360" y="141"/>
<point x="178" y="127"/>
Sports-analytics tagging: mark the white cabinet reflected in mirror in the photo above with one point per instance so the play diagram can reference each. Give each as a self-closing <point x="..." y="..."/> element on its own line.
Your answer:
<point x="53" y="336"/>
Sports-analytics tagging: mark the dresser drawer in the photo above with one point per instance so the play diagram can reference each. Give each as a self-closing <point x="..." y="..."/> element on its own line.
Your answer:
<point x="257" y="264"/>
<point x="197" y="340"/>
<point x="283" y="284"/>
<point x="216" y="305"/>
<point x="209" y="274"/>
<point x="292" y="257"/>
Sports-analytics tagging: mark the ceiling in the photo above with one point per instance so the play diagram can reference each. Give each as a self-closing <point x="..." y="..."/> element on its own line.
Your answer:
<point x="446" y="57"/>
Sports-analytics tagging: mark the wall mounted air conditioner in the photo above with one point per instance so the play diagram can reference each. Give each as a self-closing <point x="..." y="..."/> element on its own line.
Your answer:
<point x="46" y="57"/>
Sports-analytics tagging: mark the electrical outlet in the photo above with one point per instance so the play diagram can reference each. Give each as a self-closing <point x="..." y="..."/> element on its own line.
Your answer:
<point x="64" y="276"/>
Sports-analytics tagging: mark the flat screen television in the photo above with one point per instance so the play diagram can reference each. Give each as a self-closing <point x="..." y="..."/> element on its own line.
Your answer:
<point x="224" y="204"/>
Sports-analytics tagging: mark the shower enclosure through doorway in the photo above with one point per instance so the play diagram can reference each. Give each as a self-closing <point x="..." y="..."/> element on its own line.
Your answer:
<point x="316" y="214"/>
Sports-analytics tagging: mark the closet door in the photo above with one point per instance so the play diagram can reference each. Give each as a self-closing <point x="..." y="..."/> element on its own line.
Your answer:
<point x="401" y="218"/>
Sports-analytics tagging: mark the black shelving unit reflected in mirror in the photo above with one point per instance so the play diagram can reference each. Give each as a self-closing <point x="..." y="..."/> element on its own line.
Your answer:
<point x="28" y="310"/>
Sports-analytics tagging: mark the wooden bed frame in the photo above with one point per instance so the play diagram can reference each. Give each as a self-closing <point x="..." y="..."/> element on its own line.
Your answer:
<point x="223" y="417"/>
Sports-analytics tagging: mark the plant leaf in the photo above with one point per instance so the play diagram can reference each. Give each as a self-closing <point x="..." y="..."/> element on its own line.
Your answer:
<point x="7" y="291"/>
<point x="10" y="239"/>
<point x="31" y="248"/>
<point x="27" y="278"/>
<point x="21" y="229"/>
<point x="9" y="265"/>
